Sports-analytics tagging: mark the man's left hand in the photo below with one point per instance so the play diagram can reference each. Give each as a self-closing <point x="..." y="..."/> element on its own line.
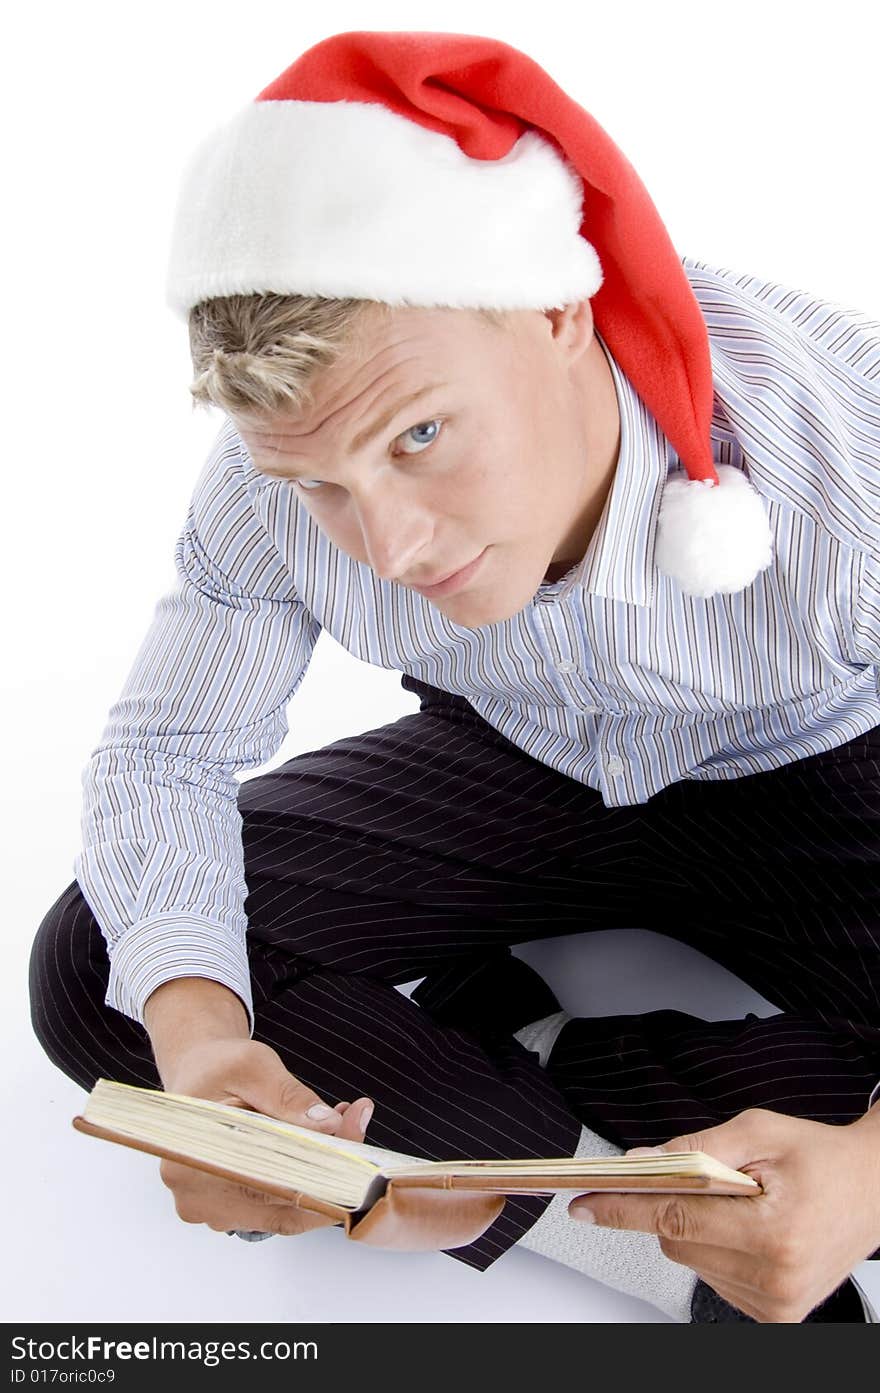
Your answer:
<point x="775" y="1255"/>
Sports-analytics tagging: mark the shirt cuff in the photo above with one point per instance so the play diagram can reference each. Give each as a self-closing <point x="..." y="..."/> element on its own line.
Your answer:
<point x="175" y="945"/>
<point x="875" y="1096"/>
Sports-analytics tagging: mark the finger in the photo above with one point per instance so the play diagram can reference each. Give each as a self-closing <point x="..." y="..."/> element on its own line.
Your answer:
<point x="717" y="1264"/>
<point x="778" y="1294"/>
<point x="277" y="1218"/>
<point x="267" y="1086"/>
<point x="199" y="1195"/>
<point x="724" y="1221"/>
<point x="743" y="1141"/>
<point x="186" y="1179"/>
<point x="224" y="1205"/>
<point x="353" y="1127"/>
<point x="286" y="1216"/>
<point x="731" y="1275"/>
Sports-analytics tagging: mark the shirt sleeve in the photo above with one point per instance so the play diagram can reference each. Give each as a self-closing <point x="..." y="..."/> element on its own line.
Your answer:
<point x="867" y="631"/>
<point x="866" y="619"/>
<point x="162" y="862"/>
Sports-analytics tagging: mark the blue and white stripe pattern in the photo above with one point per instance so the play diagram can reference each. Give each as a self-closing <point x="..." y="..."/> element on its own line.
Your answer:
<point x="610" y="675"/>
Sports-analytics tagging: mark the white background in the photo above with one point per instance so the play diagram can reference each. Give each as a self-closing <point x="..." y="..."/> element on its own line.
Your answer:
<point x="754" y="128"/>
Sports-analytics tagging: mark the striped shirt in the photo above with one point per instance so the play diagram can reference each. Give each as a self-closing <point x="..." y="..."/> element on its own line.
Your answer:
<point x="610" y="675"/>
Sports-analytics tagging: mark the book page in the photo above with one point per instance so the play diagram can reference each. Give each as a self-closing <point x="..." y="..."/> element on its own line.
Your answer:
<point x="295" y="1155"/>
<point x="382" y="1158"/>
<point x="669" y="1163"/>
<point x="100" y="1106"/>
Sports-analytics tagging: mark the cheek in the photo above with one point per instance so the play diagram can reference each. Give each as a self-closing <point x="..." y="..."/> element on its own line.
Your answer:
<point x="494" y="484"/>
<point x="348" y="538"/>
<point x="338" y="522"/>
<point x="514" y="492"/>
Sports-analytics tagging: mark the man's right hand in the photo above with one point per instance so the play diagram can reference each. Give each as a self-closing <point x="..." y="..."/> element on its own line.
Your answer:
<point x="245" y="1073"/>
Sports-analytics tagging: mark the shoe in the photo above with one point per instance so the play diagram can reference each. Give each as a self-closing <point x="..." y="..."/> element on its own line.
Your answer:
<point x="492" y="991"/>
<point x="847" y="1305"/>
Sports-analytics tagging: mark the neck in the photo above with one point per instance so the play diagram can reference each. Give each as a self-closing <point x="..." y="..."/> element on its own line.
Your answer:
<point x="601" y="415"/>
<point x="603" y="426"/>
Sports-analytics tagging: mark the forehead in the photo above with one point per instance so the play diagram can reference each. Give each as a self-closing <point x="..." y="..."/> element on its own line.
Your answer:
<point x="393" y="350"/>
<point x="390" y="330"/>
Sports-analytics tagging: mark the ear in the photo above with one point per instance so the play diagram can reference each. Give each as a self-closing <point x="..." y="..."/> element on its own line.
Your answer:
<point x="571" y="328"/>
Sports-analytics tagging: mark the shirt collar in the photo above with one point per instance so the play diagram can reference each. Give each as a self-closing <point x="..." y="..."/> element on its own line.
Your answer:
<point x="619" y="560"/>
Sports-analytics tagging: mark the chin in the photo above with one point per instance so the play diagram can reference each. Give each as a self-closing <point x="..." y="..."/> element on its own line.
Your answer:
<point x="476" y="611"/>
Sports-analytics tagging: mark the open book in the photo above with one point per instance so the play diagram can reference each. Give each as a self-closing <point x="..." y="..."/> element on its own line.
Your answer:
<point x="381" y="1197"/>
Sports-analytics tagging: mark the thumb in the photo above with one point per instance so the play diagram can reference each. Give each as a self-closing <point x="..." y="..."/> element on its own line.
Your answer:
<point x="738" y="1142"/>
<point x="274" y="1091"/>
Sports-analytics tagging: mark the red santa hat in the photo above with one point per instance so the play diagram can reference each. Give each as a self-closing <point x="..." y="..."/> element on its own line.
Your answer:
<point x="451" y="170"/>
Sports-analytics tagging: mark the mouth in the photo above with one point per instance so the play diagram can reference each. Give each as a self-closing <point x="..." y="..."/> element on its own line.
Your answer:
<point x="452" y="582"/>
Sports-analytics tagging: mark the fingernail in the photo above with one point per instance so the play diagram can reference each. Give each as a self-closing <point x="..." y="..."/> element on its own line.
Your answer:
<point x="583" y="1213"/>
<point x="365" y="1116"/>
<point x="644" y="1151"/>
<point x="319" y="1111"/>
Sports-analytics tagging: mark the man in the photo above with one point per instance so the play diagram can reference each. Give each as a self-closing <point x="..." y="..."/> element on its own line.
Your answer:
<point x="614" y="518"/>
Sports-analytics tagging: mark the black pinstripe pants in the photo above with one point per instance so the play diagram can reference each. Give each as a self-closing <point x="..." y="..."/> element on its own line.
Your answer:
<point x="427" y="847"/>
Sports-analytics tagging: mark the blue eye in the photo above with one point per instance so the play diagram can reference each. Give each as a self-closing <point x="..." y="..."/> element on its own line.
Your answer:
<point x="423" y="425"/>
<point x="309" y="485"/>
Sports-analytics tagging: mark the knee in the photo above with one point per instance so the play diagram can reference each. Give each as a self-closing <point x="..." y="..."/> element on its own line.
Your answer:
<point x="67" y="979"/>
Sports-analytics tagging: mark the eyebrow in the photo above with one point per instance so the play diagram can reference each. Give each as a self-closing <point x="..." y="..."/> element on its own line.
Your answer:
<point x="370" y="432"/>
<point x="385" y="420"/>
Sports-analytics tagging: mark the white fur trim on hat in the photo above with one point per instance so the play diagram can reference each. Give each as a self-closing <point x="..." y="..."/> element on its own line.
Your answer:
<point x="712" y="539"/>
<point x="349" y="198"/>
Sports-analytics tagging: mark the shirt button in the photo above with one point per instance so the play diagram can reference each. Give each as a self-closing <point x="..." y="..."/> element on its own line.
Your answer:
<point x="614" y="765"/>
<point x="566" y="666"/>
<point x="591" y="710"/>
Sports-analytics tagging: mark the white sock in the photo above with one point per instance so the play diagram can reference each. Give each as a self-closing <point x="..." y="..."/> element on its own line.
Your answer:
<point x="630" y="1262"/>
<point x="540" y="1036"/>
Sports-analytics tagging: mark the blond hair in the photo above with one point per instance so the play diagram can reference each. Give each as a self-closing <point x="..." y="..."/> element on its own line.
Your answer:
<point x="260" y="352"/>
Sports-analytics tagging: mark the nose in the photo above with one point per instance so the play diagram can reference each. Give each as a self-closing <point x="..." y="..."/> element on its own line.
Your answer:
<point x="395" y="532"/>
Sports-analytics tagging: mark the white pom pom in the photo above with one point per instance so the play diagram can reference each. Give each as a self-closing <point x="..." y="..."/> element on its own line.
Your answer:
<point x="712" y="540"/>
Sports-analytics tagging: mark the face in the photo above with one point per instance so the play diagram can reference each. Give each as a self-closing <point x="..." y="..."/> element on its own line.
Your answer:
<point x="440" y="446"/>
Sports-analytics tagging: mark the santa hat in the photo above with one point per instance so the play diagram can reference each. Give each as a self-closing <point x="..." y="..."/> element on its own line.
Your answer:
<point x="451" y="170"/>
